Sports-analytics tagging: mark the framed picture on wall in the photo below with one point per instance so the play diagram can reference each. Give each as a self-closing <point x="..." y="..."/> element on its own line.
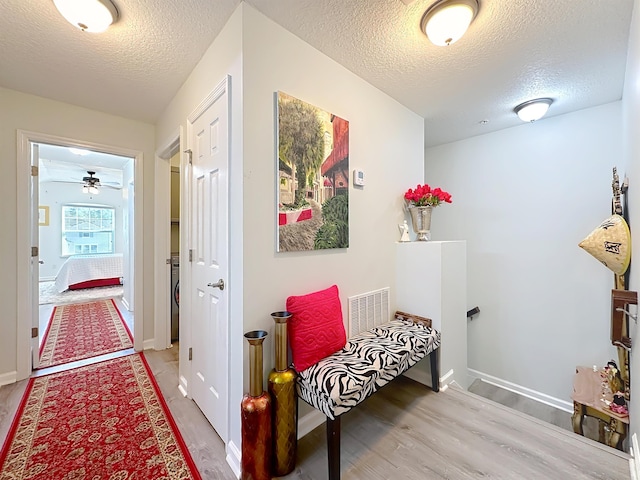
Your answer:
<point x="43" y="216"/>
<point x="312" y="157"/>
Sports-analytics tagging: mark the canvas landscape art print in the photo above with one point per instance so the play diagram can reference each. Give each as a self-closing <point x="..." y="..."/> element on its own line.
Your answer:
<point x="313" y="177"/>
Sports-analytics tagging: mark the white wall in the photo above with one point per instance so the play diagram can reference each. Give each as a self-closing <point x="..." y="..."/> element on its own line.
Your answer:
<point x="57" y="194"/>
<point x="37" y="114"/>
<point x="386" y="141"/>
<point x="631" y="126"/>
<point x="523" y="198"/>
<point x="223" y="57"/>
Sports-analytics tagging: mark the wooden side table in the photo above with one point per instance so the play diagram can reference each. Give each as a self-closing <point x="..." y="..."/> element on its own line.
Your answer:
<point x="587" y="401"/>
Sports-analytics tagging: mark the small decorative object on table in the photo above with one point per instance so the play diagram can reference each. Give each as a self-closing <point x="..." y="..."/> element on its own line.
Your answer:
<point x="420" y="203"/>
<point x="256" y="416"/>
<point x="404" y="231"/>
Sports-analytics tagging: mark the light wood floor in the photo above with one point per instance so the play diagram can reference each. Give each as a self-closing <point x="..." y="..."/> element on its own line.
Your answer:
<point x="404" y="431"/>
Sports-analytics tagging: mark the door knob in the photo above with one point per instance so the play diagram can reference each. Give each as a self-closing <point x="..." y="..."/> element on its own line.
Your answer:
<point x="219" y="284"/>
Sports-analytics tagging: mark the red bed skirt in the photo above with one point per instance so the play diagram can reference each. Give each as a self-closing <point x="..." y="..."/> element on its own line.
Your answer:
<point x="101" y="282"/>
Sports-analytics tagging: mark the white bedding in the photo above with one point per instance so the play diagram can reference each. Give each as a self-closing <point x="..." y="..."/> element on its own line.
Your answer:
<point x="83" y="268"/>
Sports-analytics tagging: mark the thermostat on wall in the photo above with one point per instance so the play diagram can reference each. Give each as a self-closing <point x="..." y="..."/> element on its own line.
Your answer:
<point x="358" y="178"/>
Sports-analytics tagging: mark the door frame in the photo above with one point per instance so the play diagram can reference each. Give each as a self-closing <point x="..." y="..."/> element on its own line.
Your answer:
<point x="26" y="303"/>
<point x="162" y="238"/>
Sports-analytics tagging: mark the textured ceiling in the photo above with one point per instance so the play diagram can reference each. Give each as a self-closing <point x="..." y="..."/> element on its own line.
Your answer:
<point x="571" y="50"/>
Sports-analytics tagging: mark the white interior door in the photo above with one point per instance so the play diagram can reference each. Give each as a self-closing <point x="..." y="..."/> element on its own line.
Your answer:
<point x="208" y="141"/>
<point x="34" y="272"/>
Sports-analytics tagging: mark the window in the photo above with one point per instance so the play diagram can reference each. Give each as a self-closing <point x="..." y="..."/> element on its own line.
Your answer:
<point x="87" y="230"/>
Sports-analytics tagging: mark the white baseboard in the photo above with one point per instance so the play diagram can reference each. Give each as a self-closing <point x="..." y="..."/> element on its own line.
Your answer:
<point x="634" y="461"/>
<point x="424" y="376"/>
<point x="125" y="302"/>
<point x="524" y="391"/>
<point x="46" y="279"/>
<point x="447" y="378"/>
<point x="149" y="344"/>
<point x="233" y="458"/>
<point x="9" y="377"/>
<point x="182" y="391"/>
<point x="183" y="385"/>
<point x="310" y="421"/>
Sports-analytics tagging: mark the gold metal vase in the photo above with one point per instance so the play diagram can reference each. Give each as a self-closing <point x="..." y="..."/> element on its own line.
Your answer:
<point x="256" y="412"/>
<point x="282" y="387"/>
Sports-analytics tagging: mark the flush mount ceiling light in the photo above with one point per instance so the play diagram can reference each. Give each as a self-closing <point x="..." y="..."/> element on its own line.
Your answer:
<point x="88" y="15"/>
<point x="533" y="110"/>
<point x="79" y="151"/>
<point x="446" y="21"/>
<point x="90" y="183"/>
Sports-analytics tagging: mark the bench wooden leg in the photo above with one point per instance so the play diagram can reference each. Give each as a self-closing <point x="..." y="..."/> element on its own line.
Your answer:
<point x="333" y="447"/>
<point x="435" y="370"/>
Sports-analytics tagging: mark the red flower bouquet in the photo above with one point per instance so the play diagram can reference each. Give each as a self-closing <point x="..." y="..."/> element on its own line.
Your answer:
<point x="424" y="195"/>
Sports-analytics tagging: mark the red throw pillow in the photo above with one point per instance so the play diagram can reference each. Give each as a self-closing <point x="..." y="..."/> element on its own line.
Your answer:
<point x="316" y="329"/>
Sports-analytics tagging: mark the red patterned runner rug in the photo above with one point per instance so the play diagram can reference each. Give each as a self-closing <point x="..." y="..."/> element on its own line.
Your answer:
<point x="83" y="330"/>
<point x="106" y="421"/>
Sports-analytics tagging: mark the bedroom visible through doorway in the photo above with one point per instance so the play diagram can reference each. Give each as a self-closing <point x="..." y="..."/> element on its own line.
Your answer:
<point x="84" y="236"/>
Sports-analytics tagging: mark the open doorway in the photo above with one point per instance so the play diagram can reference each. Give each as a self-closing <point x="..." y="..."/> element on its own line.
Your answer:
<point x="83" y="232"/>
<point x="65" y="244"/>
<point x="175" y="247"/>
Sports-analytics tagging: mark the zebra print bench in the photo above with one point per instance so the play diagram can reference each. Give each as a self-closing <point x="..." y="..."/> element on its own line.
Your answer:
<point x="367" y="362"/>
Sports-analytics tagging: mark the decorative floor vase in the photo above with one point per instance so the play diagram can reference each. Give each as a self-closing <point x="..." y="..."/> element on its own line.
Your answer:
<point x="282" y="387"/>
<point x="421" y="222"/>
<point x="256" y="416"/>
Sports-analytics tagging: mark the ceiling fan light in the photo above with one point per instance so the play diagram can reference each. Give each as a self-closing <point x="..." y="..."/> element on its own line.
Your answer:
<point x="94" y="190"/>
<point x="88" y="15"/>
<point x="85" y="189"/>
<point x="446" y="21"/>
<point x="533" y="110"/>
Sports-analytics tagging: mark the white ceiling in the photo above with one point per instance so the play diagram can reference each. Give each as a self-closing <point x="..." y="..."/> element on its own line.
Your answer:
<point x="571" y="50"/>
<point x="60" y="164"/>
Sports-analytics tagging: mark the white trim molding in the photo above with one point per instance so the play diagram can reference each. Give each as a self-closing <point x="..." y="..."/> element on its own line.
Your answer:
<point x="9" y="377"/>
<point x="634" y="464"/>
<point x="25" y="303"/>
<point x="524" y="391"/>
<point x="162" y="238"/>
<point x="311" y="420"/>
<point x="233" y="458"/>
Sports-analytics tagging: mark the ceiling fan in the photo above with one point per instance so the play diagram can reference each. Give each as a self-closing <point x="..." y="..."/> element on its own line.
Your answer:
<point x="91" y="183"/>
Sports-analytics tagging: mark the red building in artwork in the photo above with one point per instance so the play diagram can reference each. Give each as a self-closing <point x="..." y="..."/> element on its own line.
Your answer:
<point x="336" y="165"/>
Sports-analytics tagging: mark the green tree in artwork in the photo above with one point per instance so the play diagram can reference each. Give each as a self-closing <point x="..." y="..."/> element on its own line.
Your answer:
<point x="301" y="144"/>
<point x="334" y="233"/>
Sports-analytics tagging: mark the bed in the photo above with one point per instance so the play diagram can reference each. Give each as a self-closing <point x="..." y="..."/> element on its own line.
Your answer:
<point x="88" y="271"/>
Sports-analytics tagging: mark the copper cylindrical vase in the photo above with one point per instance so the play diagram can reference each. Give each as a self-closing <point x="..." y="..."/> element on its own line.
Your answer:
<point x="282" y="386"/>
<point x="256" y="416"/>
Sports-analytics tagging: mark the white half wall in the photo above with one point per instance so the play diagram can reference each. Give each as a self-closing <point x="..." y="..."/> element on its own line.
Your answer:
<point x="523" y="198"/>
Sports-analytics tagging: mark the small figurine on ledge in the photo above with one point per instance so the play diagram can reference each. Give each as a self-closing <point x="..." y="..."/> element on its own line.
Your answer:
<point x="404" y="230"/>
<point x="613" y="377"/>
<point x="619" y="405"/>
